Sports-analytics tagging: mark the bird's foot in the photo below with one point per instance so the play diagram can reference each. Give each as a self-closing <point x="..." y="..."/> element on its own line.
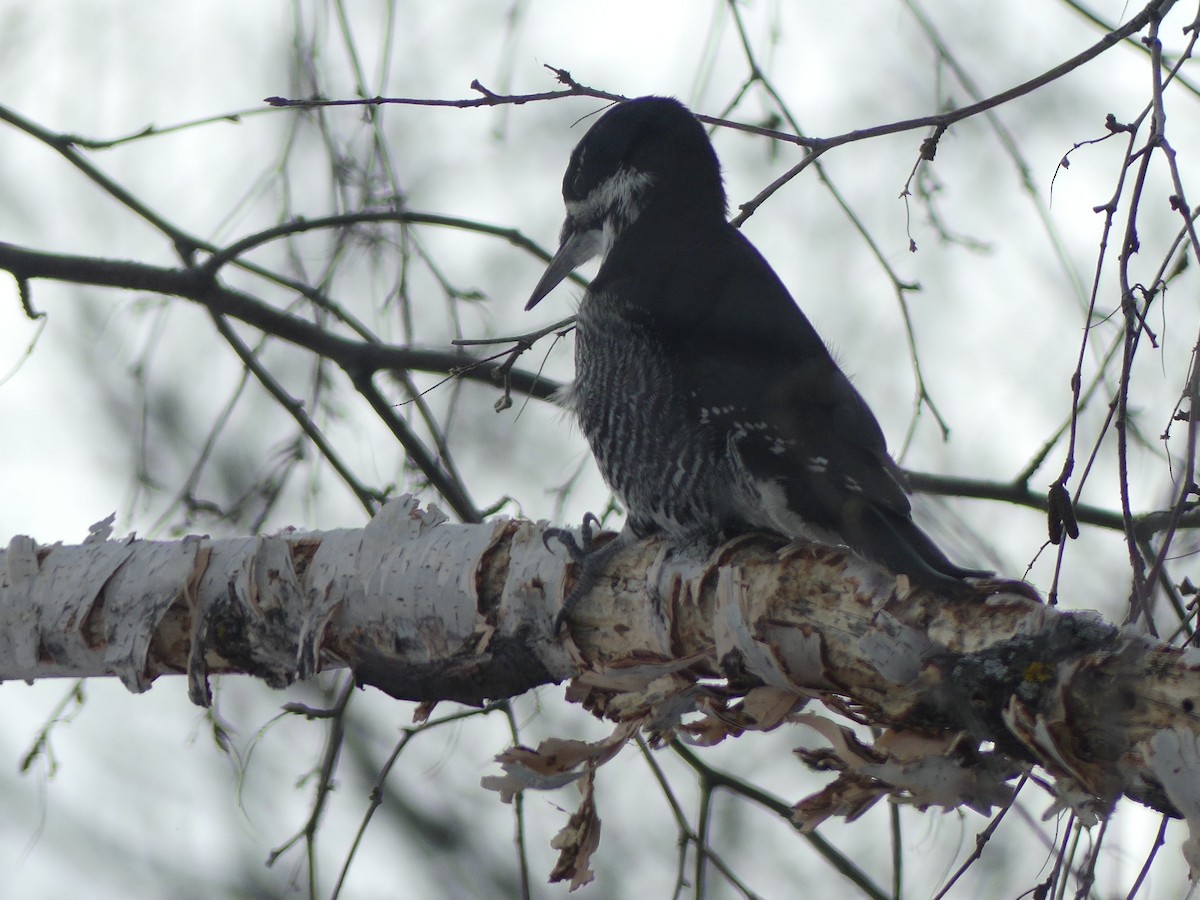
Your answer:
<point x="567" y="539"/>
<point x="584" y="553"/>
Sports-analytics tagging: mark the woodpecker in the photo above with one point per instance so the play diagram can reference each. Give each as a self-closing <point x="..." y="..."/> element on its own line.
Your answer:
<point x="710" y="403"/>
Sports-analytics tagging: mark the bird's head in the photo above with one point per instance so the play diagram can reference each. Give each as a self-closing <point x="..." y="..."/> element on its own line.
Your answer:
<point x="643" y="152"/>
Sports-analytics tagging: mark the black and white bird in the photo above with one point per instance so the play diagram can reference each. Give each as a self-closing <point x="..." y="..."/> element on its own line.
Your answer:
<point x="712" y="406"/>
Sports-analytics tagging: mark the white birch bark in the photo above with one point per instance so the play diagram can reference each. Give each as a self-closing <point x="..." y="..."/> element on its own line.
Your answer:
<point x="967" y="691"/>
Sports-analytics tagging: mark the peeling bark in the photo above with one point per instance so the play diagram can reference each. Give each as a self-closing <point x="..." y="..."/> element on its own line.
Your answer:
<point x="423" y="609"/>
<point x="969" y="690"/>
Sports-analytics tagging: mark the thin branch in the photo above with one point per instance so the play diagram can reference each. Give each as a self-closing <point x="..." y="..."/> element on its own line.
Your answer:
<point x="1129" y="41"/>
<point x="981" y="840"/>
<point x="345" y="220"/>
<point x="1187" y="484"/>
<point x="1155" y="9"/>
<point x="377" y="790"/>
<point x="151" y="131"/>
<point x="1159" y="840"/>
<point x="185" y="244"/>
<point x="440" y="478"/>
<point x="1007" y="141"/>
<point x="1021" y="495"/>
<point x="718" y="779"/>
<point x="369" y="499"/>
<point x="942" y="120"/>
<point x="187" y="283"/>
<point x="325" y="781"/>
<point x="688" y="835"/>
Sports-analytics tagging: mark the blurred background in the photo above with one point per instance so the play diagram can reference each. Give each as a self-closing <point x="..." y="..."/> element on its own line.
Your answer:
<point x="961" y="310"/>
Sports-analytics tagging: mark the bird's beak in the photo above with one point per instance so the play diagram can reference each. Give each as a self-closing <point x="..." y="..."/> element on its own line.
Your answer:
<point x="575" y="248"/>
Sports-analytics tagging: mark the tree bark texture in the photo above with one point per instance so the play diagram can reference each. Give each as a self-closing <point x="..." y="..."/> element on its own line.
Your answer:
<point x="967" y="690"/>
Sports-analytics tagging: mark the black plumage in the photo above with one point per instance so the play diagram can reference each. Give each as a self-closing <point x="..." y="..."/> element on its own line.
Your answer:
<point x="711" y="404"/>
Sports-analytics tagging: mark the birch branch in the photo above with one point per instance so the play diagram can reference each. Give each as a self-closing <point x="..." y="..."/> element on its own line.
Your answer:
<point x="966" y="691"/>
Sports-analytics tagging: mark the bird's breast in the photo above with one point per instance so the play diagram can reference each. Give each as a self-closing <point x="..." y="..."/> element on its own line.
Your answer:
<point x="670" y="469"/>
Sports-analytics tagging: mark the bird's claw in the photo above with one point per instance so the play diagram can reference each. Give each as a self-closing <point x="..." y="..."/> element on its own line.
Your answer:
<point x="567" y="540"/>
<point x="585" y="554"/>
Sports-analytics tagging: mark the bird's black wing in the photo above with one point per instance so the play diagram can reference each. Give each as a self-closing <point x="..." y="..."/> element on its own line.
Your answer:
<point x="755" y="370"/>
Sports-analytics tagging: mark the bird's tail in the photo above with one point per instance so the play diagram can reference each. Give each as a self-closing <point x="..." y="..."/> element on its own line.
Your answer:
<point x="899" y="544"/>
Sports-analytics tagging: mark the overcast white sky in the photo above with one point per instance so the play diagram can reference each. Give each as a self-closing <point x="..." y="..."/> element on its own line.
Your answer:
<point x="141" y="803"/>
